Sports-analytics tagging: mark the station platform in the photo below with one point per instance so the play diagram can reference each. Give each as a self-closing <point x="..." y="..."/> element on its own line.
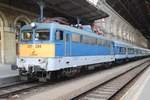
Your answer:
<point x="141" y="89"/>
<point x="7" y="74"/>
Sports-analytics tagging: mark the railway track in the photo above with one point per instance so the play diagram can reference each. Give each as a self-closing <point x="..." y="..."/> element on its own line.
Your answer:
<point x="109" y="89"/>
<point x="10" y="89"/>
<point x="104" y="91"/>
<point x="6" y="85"/>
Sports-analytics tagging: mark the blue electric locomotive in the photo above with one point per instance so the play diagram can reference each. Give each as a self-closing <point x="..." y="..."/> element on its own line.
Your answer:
<point x="52" y="49"/>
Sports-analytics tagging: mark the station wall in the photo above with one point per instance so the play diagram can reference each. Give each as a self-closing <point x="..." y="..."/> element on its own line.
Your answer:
<point x="117" y="27"/>
<point x="11" y="19"/>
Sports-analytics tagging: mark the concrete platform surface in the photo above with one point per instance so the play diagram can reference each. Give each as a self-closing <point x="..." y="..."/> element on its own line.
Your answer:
<point x="141" y="89"/>
<point x="7" y="75"/>
<point x="6" y="71"/>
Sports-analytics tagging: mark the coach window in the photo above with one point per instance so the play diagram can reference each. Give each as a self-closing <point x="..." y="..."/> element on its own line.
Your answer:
<point x="76" y="37"/>
<point x="129" y="50"/>
<point x="104" y="43"/>
<point x="123" y="50"/>
<point x="107" y="44"/>
<point x="59" y="35"/>
<point x="132" y="50"/>
<point x="99" y="41"/>
<point x="92" y="40"/>
<point x="137" y="51"/>
<point x="88" y="40"/>
<point x="85" y="39"/>
<point x="81" y="38"/>
<point x="120" y="50"/>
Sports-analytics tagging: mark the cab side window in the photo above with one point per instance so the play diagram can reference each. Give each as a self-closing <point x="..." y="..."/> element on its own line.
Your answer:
<point x="59" y="35"/>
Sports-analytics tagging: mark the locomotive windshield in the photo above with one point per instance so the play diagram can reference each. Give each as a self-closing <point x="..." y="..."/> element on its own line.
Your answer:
<point x="26" y="35"/>
<point x="41" y="35"/>
<point x="29" y="35"/>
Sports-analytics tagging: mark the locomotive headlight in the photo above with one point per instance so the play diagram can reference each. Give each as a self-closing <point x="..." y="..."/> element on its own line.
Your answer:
<point x="33" y="25"/>
<point x="22" y="60"/>
<point x="41" y="60"/>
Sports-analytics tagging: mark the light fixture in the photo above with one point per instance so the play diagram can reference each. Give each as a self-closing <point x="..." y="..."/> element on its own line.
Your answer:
<point x="33" y="25"/>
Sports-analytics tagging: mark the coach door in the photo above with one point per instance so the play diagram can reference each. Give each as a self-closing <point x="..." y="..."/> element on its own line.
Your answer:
<point x="67" y="44"/>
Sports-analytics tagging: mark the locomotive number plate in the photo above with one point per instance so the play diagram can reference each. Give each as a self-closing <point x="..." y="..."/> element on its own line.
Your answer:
<point x="35" y="46"/>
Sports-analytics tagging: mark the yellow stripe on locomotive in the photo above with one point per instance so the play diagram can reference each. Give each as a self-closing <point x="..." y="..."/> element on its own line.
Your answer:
<point x="36" y="50"/>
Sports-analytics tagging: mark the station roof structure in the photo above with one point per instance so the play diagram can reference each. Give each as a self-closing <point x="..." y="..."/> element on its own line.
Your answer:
<point x="62" y="8"/>
<point x="136" y="12"/>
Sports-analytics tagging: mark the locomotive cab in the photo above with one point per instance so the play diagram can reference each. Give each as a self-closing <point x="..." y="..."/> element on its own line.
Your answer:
<point x="35" y="47"/>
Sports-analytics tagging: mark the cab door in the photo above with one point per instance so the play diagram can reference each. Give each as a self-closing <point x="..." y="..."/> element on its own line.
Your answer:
<point x="67" y="44"/>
